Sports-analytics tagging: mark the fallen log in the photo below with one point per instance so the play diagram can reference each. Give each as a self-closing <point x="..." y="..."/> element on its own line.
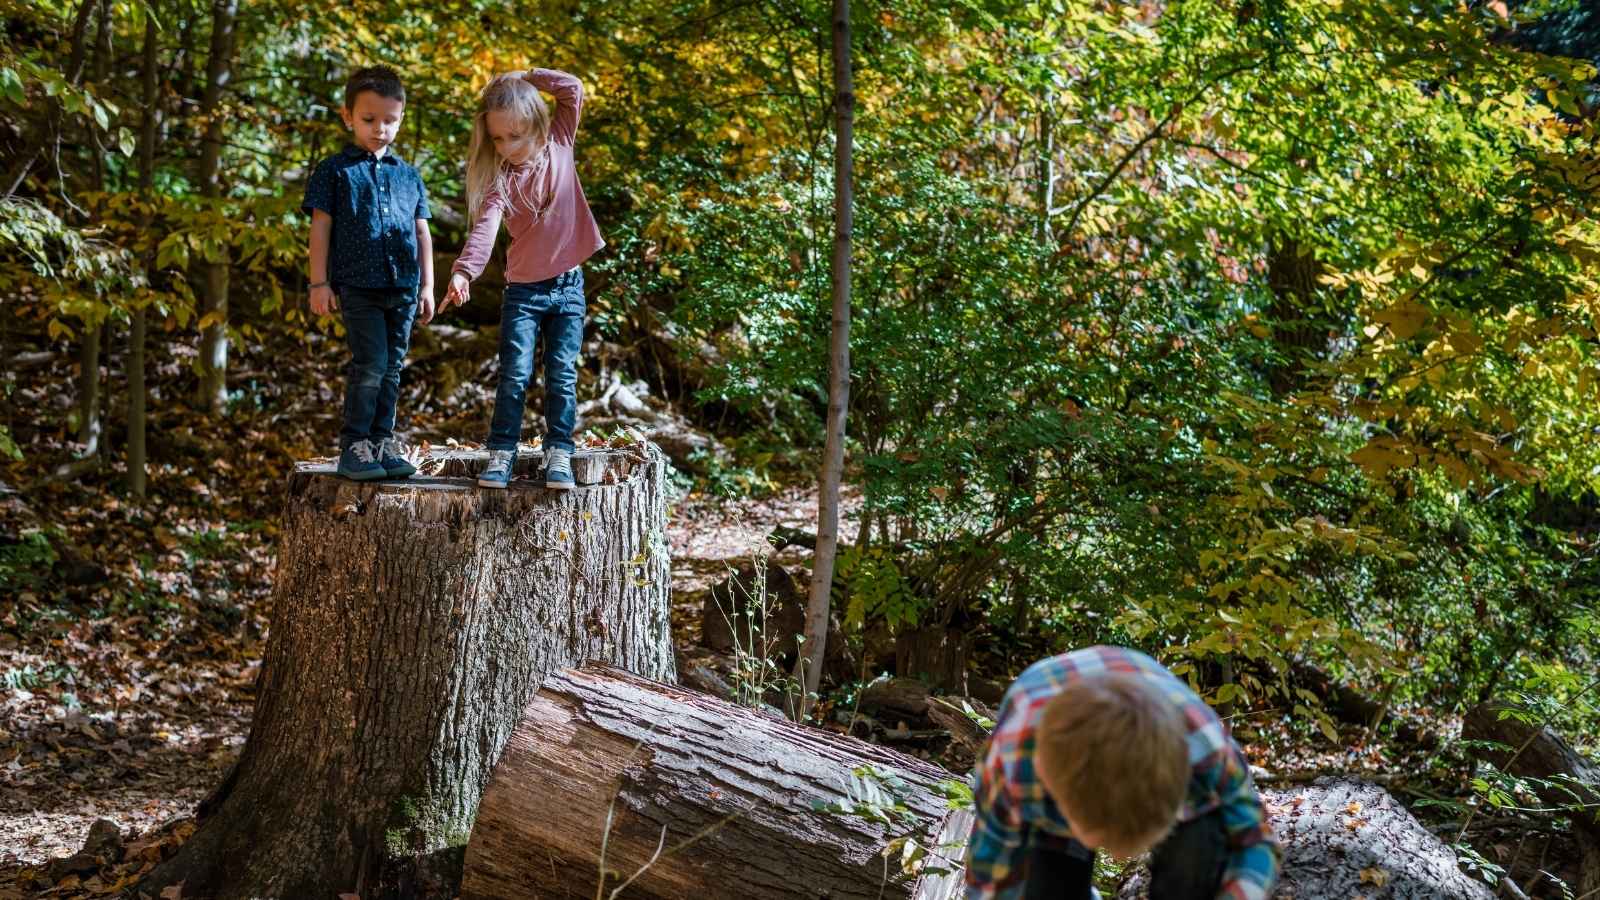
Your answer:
<point x="1344" y="838"/>
<point x="1568" y="781"/>
<point x="411" y="622"/>
<point x="1353" y="707"/>
<point x="702" y="799"/>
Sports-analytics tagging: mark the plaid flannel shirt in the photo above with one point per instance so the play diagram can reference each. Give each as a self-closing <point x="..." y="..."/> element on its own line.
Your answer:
<point x="1014" y="811"/>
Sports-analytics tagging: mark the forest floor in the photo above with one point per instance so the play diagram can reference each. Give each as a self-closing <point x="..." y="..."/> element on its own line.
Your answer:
<point x="131" y="633"/>
<point x="132" y="717"/>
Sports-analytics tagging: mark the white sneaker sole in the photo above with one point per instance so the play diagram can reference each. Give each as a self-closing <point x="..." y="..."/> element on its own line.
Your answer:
<point x="559" y="485"/>
<point x="499" y="485"/>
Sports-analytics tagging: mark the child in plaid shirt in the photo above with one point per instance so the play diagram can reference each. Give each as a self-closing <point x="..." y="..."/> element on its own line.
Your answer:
<point x="1103" y="748"/>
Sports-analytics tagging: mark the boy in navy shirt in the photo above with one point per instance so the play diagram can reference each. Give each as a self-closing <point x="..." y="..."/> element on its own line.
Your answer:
<point x="372" y="262"/>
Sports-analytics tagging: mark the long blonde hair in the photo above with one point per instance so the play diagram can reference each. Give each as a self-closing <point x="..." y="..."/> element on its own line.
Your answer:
<point x="486" y="171"/>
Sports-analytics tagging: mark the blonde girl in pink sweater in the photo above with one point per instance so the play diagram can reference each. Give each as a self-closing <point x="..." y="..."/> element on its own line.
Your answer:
<point x="521" y="171"/>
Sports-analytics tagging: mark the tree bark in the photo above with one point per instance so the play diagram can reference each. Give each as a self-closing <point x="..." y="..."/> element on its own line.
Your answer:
<point x="213" y="393"/>
<point x="150" y="100"/>
<point x="89" y="425"/>
<point x="808" y="668"/>
<point x="1535" y="751"/>
<point x="411" y="622"/>
<point x="665" y="766"/>
<point x="934" y="654"/>
<point x="1297" y="330"/>
<point x="1344" y="839"/>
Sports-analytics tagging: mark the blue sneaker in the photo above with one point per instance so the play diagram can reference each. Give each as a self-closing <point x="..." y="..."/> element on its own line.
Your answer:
<point x="392" y="456"/>
<point x="358" y="462"/>
<point x="497" y="474"/>
<point x="558" y="469"/>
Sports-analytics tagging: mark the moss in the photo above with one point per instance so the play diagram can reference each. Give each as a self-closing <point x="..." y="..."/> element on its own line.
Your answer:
<point x="407" y="809"/>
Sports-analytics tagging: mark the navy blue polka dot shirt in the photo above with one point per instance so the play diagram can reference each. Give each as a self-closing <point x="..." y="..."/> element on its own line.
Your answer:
<point x="375" y="203"/>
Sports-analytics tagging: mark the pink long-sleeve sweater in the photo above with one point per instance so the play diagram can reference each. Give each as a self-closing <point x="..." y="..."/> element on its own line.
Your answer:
<point x="543" y="244"/>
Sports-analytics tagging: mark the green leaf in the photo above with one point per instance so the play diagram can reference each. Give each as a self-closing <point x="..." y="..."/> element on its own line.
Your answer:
<point x="11" y="86"/>
<point x="125" y="142"/>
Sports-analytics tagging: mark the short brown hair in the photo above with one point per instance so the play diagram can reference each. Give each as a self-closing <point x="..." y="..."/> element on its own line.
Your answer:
<point x="381" y="80"/>
<point x="1114" y="750"/>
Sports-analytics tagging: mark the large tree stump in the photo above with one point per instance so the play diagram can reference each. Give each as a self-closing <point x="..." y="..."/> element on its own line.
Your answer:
<point x="411" y="622"/>
<point x="1344" y="838"/>
<point x="664" y="766"/>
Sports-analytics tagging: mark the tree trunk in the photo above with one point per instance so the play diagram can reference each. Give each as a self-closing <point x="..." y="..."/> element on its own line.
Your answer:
<point x="935" y="655"/>
<point x="1344" y="839"/>
<point x="89" y="425"/>
<point x="151" y="99"/>
<point x="411" y="622"/>
<point x="1534" y="751"/>
<point x="213" y="393"/>
<point x="733" y="797"/>
<point x="1298" y="332"/>
<point x="808" y="669"/>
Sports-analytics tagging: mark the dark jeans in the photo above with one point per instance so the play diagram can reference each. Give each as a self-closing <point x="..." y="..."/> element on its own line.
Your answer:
<point x="1188" y="865"/>
<point x="554" y="306"/>
<point x="377" y="325"/>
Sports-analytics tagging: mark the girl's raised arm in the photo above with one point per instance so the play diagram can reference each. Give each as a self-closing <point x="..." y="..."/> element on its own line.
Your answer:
<point x="568" y="91"/>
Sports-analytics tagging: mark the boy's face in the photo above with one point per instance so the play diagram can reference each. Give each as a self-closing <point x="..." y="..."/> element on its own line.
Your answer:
<point x="510" y="137"/>
<point x="374" y="120"/>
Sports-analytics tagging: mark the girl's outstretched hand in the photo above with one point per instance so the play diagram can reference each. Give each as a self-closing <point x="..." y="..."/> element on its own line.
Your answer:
<point x="460" y="291"/>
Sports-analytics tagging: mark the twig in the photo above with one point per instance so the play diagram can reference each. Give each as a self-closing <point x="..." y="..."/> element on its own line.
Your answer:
<point x="660" y="842"/>
<point x="693" y="839"/>
<point x="605" y="836"/>
<point x="1508" y="886"/>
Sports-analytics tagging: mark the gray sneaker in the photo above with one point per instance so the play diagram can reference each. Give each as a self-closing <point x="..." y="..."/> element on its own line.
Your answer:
<point x="558" y="469"/>
<point x="358" y="462"/>
<point x="497" y="474"/>
<point x="392" y="456"/>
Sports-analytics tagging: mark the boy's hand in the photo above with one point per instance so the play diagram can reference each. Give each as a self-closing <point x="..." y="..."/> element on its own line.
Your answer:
<point x="460" y="290"/>
<point x="324" y="301"/>
<point x="425" y="304"/>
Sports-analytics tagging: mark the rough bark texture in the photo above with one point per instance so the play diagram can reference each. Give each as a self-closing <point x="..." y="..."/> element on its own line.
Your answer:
<point x="1534" y="751"/>
<point x="1343" y="839"/>
<point x="138" y="325"/>
<point x="674" y="759"/>
<point x="1292" y="272"/>
<point x="214" y="272"/>
<point x="936" y="655"/>
<point x="411" y="622"/>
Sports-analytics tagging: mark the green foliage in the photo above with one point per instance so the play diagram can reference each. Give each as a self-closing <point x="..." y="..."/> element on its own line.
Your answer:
<point x="25" y="564"/>
<point x="1251" y="333"/>
<point x="873" y="794"/>
<point x="872" y="588"/>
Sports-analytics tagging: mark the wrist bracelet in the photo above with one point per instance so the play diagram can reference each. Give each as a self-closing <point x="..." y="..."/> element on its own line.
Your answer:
<point x="318" y="284"/>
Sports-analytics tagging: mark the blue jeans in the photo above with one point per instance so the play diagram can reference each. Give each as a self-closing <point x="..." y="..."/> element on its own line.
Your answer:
<point x="554" y="306"/>
<point x="1187" y="865"/>
<point x="377" y="326"/>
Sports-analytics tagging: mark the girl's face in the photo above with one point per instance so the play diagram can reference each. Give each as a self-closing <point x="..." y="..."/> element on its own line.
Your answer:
<point x="512" y="139"/>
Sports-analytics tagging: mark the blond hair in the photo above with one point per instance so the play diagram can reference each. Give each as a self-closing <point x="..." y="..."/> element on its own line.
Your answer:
<point x="1112" y="752"/>
<point x="486" y="171"/>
